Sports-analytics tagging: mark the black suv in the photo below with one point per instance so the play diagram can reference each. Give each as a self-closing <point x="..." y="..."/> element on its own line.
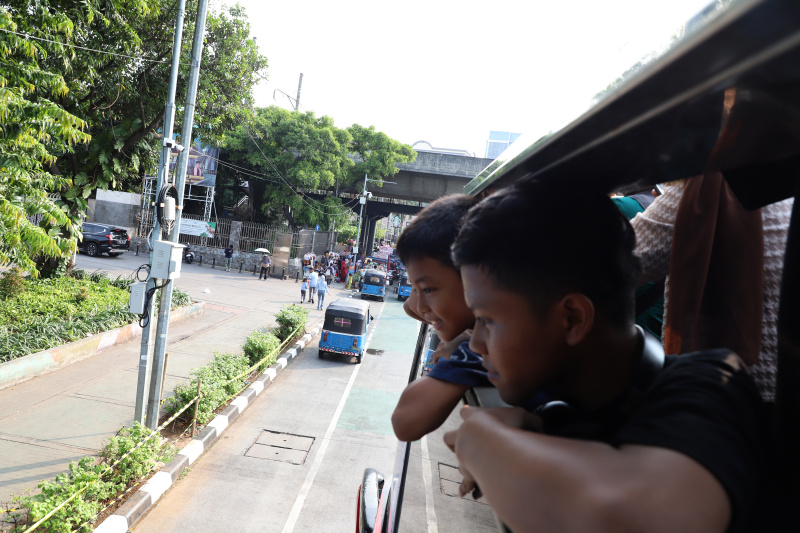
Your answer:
<point x="104" y="238"/>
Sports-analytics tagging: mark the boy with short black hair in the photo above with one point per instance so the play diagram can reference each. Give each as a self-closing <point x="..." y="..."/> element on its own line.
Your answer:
<point x="424" y="249"/>
<point x="637" y="443"/>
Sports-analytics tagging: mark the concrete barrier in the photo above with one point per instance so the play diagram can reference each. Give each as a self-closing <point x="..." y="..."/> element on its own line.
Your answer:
<point x="44" y="362"/>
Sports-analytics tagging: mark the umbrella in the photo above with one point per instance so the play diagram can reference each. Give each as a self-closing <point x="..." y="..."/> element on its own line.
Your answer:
<point x="262" y="250"/>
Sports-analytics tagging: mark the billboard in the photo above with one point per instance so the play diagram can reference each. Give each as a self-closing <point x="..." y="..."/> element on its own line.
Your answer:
<point x="201" y="168"/>
<point x="198" y="227"/>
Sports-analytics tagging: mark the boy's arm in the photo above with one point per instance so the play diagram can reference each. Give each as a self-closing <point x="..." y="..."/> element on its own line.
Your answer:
<point x="542" y="483"/>
<point x="424" y="406"/>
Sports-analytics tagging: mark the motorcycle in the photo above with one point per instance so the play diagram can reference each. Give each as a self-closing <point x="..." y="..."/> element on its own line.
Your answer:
<point x="188" y="255"/>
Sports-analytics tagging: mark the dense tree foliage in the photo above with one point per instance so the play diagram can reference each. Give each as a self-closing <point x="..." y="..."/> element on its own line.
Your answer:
<point x="33" y="127"/>
<point x="100" y="113"/>
<point x="298" y="153"/>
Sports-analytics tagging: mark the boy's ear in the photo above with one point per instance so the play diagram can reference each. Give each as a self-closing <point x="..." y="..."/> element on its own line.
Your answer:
<point x="578" y="317"/>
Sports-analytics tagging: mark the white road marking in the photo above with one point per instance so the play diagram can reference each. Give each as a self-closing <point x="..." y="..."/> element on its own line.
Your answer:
<point x="427" y="478"/>
<point x="294" y="514"/>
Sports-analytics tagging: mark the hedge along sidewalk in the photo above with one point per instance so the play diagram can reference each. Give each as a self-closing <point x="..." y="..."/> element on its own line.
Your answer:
<point x="78" y="488"/>
<point x="46" y="361"/>
<point x="147" y="496"/>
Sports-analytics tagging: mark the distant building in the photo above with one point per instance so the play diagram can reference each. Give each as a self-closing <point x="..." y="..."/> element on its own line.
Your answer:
<point x="498" y="142"/>
<point x="425" y="146"/>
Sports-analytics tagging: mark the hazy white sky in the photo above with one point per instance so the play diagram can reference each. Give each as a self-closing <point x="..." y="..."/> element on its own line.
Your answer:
<point x="448" y="71"/>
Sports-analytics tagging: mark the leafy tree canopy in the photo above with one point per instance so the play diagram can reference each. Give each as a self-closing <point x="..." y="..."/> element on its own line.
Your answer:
<point x="32" y="127"/>
<point x="105" y="111"/>
<point x="300" y="153"/>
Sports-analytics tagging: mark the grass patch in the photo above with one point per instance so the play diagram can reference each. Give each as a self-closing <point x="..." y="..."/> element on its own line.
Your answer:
<point x="45" y="313"/>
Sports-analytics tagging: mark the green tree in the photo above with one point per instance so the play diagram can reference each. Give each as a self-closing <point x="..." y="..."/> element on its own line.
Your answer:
<point x="118" y="97"/>
<point x="346" y="233"/>
<point x="32" y="126"/>
<point x="380" y="232"/>
<point x="300" y="154"/>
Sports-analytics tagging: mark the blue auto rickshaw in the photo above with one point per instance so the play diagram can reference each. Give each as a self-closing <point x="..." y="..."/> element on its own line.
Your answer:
<point x="345" y="328"/>
<point x="373" y="285"/>
<point x="403" y="287"/>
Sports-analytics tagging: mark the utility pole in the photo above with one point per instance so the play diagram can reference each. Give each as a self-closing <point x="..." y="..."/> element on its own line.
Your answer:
<point x="157" y="375"/>
<point x="297" y="100"/>
<point x="362" y="201"/>
<point x="294" y="101"/>
<point x="146" y="355"/>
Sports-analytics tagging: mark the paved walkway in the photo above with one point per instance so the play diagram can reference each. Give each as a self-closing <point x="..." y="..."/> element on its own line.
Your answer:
<point x="48" y="421"/>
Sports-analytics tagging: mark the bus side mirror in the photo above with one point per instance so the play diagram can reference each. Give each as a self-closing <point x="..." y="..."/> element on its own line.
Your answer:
<point x="371" y="317"/>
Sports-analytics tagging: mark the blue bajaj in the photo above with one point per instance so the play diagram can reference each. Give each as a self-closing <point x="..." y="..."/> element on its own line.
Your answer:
<point x="345" y="328"/>
<point x="403" y="287"/>
<point x="374" y="285"/>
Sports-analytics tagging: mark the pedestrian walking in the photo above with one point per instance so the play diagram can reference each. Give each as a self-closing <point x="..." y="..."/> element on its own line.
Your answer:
<point x="322" y="288"/>
<point x="265" y="262"/>
<point x="303" y="289"/>
<point x="313" y="278"/>
<point x="228" y="257"/>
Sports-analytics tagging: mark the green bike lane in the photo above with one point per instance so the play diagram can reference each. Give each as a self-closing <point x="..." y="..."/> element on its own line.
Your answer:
<point x="343" y="410"/>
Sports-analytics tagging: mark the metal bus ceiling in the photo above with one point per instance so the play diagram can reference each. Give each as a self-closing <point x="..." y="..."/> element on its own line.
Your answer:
<point x="724" y="97"/>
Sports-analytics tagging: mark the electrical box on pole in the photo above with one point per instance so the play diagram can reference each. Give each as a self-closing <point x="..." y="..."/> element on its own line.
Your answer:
<point x="137" y="297"/>
<point x="167" y="257"/>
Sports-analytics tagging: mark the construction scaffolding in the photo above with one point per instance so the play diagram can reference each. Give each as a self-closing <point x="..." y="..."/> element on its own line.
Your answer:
<point x="201" y="182"/>
<point x="198" y="193"/>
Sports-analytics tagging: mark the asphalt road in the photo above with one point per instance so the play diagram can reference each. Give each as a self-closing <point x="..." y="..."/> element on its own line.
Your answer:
<point x="336" y="415"/>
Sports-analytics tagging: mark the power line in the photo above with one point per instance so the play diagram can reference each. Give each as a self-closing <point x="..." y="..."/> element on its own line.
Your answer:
<point x="299" y="194"/>
<point x="28" y="36"/>
<point x="252" y="174"/>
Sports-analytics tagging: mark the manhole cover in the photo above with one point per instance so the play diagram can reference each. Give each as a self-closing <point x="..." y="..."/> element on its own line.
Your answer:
<point x="374" y="351"/>
<point x="282" y="447"/>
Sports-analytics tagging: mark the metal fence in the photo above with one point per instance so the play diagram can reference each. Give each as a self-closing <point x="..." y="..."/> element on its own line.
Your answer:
<point x="252" y="235"/>
<point x="255" y="235"/>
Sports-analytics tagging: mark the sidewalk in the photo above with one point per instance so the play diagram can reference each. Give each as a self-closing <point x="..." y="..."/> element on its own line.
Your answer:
<point x="48" y="421"/>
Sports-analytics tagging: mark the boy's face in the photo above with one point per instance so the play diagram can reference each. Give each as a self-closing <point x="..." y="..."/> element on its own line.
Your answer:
<point x="522" y="351"/>
<point x="440" y="297"/>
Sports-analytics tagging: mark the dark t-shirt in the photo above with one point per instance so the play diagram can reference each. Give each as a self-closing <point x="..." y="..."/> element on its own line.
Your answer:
<point x="704" y="405"/>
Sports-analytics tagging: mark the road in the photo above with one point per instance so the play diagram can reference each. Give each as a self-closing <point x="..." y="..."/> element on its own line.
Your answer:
<point x="336" y="416"/>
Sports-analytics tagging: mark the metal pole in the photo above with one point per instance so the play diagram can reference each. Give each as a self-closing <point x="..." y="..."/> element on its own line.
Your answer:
<point x="361" y="213"/>
<point x="154" y="399"/>
<point x="297" y="100"/>
<point x="145" y="358"/>
<point x="164" y="378"/>
<point x="196" y="406"/>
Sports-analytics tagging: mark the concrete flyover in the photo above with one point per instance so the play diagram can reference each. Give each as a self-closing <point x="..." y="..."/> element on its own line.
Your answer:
<point x="431" y="176"/>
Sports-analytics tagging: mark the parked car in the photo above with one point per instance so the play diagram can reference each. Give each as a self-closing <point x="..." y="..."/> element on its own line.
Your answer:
<point x="104" y="238"/>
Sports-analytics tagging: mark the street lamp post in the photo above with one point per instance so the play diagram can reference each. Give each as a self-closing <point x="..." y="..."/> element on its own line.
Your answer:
<point x="362" y="200"/>
<point x="365" y="195"/>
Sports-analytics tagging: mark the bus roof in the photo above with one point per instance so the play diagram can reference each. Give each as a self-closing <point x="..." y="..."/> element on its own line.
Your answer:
<point x="348" y="305"/>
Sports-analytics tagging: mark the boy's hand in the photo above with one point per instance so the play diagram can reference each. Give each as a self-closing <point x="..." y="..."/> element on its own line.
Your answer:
<point x="446" y="349"/>
<point x="451" y="439"/>
<point x="511" y="416"/>
<point x="517" y="417"/>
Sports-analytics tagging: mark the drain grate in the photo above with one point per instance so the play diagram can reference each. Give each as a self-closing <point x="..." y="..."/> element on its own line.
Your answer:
<point x="283" y="447"/>
<point x="374" y="351"/>
<point x="449" y="481"/>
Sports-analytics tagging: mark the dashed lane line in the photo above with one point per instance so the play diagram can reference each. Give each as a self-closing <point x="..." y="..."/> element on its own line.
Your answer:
<point x="294" y="514"/>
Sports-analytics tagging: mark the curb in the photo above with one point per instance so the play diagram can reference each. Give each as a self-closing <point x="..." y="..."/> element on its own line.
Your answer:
<point x="146" y="497"/>
<point x="40" y="363"/>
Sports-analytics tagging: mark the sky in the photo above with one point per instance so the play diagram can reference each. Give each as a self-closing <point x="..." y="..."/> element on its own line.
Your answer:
<point x="447" y="72"/>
